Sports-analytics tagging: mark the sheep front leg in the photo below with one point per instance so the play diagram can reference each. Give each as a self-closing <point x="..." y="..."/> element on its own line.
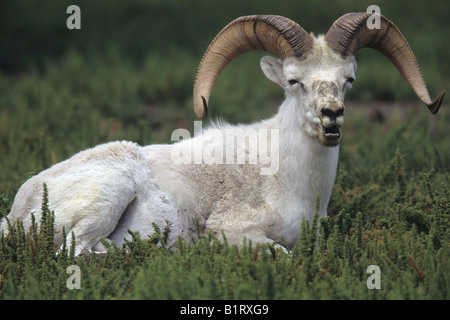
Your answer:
<point x="233" y="237"/>
<point x="237" y="225"/>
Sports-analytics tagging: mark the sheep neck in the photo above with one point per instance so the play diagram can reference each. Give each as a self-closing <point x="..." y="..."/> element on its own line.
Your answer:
<point x="307" y="168"/>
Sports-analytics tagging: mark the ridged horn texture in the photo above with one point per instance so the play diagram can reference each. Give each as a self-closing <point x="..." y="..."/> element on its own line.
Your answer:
<point x="275" y="34"/>
<point x="350" y="33"/>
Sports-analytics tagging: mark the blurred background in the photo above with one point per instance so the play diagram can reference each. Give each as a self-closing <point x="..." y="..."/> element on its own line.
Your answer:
<point x="129" y="72"/>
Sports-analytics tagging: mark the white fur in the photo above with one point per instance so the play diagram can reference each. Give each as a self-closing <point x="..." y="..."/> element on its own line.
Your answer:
<point x="104" y="191"/>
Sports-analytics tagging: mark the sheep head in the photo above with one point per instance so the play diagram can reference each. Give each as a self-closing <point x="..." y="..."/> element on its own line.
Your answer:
<point x="317" y="84"/>
<point x="315" y="71"/>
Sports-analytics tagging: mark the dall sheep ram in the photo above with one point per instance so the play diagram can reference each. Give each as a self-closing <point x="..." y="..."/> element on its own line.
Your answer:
<point x="115" y="187"/>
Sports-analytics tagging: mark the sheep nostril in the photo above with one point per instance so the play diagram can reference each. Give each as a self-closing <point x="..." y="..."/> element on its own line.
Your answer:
<point x="331" y="118"/>
<point x="333" y="114"/>
<point x="327" y="113"/>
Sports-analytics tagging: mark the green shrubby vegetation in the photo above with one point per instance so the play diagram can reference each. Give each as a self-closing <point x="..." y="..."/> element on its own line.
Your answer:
<point x="409" y="243"/>
<point x="128" y="74"/>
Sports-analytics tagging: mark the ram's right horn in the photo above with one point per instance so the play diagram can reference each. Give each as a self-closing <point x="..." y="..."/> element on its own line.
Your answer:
<point x="350" y="33"/>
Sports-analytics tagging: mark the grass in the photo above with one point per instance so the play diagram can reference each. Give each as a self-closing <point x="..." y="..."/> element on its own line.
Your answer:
<point x="128" y="74"/>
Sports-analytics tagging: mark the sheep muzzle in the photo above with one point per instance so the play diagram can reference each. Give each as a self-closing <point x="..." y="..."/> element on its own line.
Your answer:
<point x="331" y="120"/>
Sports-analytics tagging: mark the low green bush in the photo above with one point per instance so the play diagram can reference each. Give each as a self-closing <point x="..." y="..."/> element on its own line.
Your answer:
<point x="408" y="241"/>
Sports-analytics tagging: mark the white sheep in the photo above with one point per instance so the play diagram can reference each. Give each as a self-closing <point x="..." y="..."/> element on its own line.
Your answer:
<point x="104" y="191"/>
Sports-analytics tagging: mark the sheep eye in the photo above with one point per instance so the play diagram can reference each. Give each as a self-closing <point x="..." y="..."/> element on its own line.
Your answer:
<point x="293" y="81"/>
<point x="350" y="80"/>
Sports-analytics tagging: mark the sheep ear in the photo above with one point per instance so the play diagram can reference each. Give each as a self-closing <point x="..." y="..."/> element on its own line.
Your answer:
<point x="273" y="69"/>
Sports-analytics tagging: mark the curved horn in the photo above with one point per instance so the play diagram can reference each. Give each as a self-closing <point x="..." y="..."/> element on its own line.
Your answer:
<point x="350" y="33"/>
<point x="275" y="34"/>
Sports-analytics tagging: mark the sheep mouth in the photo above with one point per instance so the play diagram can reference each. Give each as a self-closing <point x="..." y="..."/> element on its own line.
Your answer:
<point x="330" y="136"/>
<point x="332" y="132"/>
